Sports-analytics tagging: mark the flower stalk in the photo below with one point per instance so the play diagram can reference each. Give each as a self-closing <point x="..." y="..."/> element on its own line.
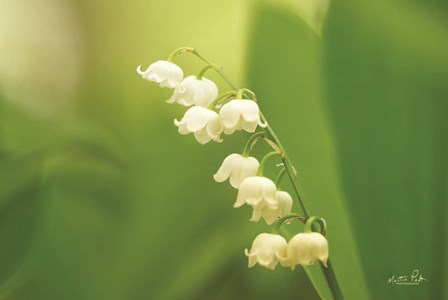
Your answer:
<point x="251" y="142"/>
<point x="179" y="51"/>
<point x="328" y="271"/>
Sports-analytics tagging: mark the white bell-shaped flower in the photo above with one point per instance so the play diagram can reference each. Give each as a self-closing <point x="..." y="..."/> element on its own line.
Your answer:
<point x="258" y="192"/>
<point x="203" y="122"/>
<point x="267" y="250"/>
<point x="306" y="248"/>
<point x="269" y="214"/>
<point x="240" y="114"/>
<point x="166" y="73"/>
<point x="195" y="91"/>
<point x="236" y="168"/>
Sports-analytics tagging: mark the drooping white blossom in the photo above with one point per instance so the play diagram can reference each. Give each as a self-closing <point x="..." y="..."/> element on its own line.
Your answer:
<point x="195" y="91"/>
<point x="305" y="249"/>
<point x="165" y="73"/>
<point x="236" y="168"/>
<point x="240" y="115"/>
<point x="284" y="201"/>
<point x="202" y="122"/>
<point x="258" y="192"/>
<point x="267" y="250"/>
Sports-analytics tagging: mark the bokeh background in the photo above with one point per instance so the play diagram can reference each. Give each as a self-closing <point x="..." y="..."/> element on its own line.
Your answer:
<point x="101" y="198"/>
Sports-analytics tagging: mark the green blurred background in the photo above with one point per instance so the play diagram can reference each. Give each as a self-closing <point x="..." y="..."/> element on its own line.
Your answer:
<point x="101" y="198"/>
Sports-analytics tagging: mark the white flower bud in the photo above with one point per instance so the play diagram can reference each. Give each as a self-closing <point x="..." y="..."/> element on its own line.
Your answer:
<point x="267" y="250"/>
<point x="195" y="91"/>
<point x="203" y="122"/>
<point x="269" y="214"/>
<point x="237" y="168"/>
<point x="163" y="72"/>
<point x="258" y="192"/>
<point x="305" y="249"/>
<point x="240" y="114"/>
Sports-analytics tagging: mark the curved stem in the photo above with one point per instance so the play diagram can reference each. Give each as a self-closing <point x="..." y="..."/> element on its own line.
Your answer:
<point x="263" y="162"/>
<point x="251" y="142"/>
<point x="220" y="98"/>
<point x="203" y="70"/>
<point x="179" y="51"/>
<point x="280" y="176"/>
<point x="243" y="91"/>
<point x="279" y="222"/>
<point x="310" y="227"/>
<point x="218" y="70"/>
<point x="330" y="276"/>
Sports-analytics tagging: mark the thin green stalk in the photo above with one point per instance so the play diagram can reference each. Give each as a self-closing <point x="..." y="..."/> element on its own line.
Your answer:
<point x="279" y="179"/>
<point x="264" y="160"/>
<point x="251" y="142"/>
<point x="203" y="70"/>
<point x="330" y="276"/>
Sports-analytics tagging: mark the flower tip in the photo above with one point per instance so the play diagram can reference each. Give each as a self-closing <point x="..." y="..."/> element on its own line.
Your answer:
<point x="263" y="125"/>
<point x="270" y="222"/>
<point x="139" y="70"/>
<point x="238" y="204"/>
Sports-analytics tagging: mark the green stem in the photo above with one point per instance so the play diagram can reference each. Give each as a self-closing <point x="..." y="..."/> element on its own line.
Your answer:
<point x="220" y="98"/>
<point x="251" y="143"/>
<point x="280" y="176"/>
<point x="274" y="146"/>
<point x="292" y="174"/>
<point x="330" y="276"/>
<point x="263" y="162"/>
<point x="246" y="91"/>
<point x="179" y="51"/>
<point x="279" y="222"/>
<point x="310" y="226"/>
<point x="203" y="70"/>
<point x="218" y="70"/>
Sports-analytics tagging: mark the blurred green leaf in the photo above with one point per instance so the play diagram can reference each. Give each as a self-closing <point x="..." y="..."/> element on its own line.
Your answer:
<point x="312" y="12"/>
<point x="386" y="95"/>
<point x="288" y="82"/>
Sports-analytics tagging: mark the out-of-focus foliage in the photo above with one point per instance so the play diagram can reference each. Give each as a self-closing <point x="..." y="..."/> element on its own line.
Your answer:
<point x="306" y="136"/>
<point x="379" y="93"/>
<point x="100" y="198"/>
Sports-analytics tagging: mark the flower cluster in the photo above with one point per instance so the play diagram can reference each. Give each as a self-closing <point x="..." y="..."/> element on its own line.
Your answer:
<point x="208" y="117"/>
<point x="203" y="119"/>
<point x="303" y="249"/>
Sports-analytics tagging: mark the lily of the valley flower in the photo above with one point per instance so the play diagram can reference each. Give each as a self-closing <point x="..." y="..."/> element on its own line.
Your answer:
<point x="202" y="122"/>
<point x="267" y="250"/>
<point x="240" y="114"/>
<point x="258" y="192"/>
<point x="269" y="214"/>
<point x="194" y="91"/>
<point x="163" y="72"/>
<point x="236" y="168"/>
<point x="306" y="248"/>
